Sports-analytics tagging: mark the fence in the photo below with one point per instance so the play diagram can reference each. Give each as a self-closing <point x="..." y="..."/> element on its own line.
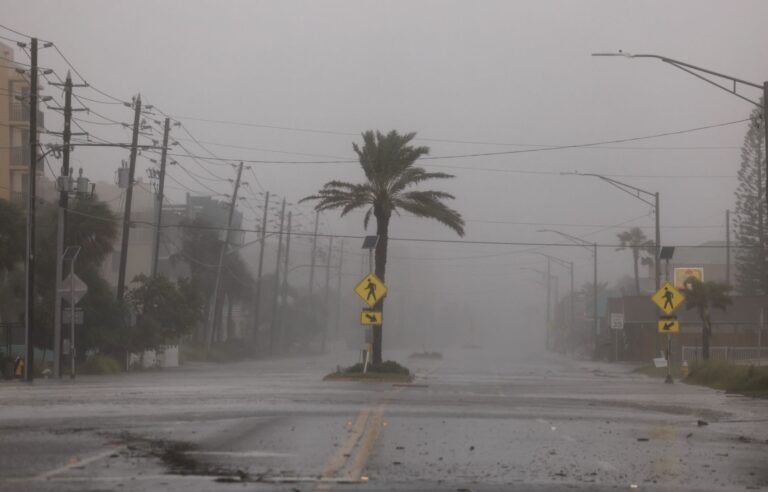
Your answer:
<point x="726" y="353"/>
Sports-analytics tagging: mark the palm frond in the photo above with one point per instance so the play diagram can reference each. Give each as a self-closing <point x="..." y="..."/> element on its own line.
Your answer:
<point x="428" y="204"/>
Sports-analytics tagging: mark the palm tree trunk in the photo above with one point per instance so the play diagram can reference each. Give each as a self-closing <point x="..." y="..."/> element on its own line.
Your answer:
<point x="382" y="230"/>
<point x="636" y="258"/>
<point x="706" y="333"/>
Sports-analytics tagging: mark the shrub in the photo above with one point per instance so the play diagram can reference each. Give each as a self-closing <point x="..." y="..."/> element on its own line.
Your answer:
<point x="100" y="364"/>
<point x="386" y="367"/>
<point x="730" y="377"/>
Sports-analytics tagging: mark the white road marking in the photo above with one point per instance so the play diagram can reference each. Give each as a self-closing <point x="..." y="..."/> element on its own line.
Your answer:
<point x="78" y="464"/>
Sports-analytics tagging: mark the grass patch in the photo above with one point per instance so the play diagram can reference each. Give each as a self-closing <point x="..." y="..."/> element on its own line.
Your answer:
<point x="100" y="364"/>
<point x="222" y="352"/>
<point x="426" y="355"/>
<point x="658" y="372"/>
<point x="723" y="375"/>
<point x="389" y="371"/>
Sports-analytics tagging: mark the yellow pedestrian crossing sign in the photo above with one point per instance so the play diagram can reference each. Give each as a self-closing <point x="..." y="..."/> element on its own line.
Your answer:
<point x="669" y="324"/>
<point x="371" y="289"/>
<point x="368" y="318"/>
<point x="668" y="298"/>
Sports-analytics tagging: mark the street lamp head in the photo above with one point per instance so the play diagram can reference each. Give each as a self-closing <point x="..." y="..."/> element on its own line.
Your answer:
<point x="614" y="53"/>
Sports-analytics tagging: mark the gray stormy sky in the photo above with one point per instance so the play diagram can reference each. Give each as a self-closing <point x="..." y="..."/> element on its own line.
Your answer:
<point x="505" y="75"/>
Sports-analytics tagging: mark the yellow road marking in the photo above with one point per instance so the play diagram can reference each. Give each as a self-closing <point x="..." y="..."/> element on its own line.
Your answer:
<point x="374" y="427"/>
<point x="340" y="459"/>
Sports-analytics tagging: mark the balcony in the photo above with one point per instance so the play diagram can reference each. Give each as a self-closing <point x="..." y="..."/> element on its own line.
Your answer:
<point x="20" y="113"/>
<point x="19" y="198"/>
<point x="20" y="156"/>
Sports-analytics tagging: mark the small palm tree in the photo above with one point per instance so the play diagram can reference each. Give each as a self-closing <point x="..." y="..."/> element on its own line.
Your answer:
<point x="703" y="296"/>
<point x="643" y="250"/>
<point x="388" y="164"/>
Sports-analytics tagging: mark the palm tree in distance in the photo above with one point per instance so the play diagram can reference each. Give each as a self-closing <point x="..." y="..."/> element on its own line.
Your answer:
<point x="643" y="250"/>
<point x="702" y="296"/>
<point x="388" y="164"/>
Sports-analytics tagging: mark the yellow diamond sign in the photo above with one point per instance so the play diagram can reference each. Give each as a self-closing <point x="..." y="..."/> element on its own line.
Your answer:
<point x="371" y="289"/>
<point x="669" y="324"/>
<point x="368" y="318"/>
<point x="668" y="298"/>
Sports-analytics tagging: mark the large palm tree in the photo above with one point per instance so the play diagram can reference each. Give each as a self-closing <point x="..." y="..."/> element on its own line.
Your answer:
<point x="643" y="250"/>
<point x="388" y="162"/>
<point x="703" y="296"/>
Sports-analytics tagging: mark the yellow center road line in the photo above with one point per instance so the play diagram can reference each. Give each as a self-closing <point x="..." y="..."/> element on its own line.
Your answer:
<point x="367" y="445"/>
<point x="340" y="459"/>
<point x="366" y="428"/>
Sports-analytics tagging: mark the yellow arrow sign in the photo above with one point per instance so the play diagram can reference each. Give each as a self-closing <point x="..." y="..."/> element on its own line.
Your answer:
<point x="371" y="289"/>
<point x="669" y="324"/>
<point x="668" y="298"/>
<point x="371" y="317"/>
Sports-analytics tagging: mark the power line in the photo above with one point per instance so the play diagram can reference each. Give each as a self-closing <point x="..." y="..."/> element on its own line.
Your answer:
<point x="490" y="154"/>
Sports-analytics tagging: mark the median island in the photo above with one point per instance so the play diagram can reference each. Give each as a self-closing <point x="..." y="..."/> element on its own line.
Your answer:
<point x="387" y="372"/>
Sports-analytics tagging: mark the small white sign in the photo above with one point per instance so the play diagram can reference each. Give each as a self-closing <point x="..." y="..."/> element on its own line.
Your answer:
<point x="617" y="321"/>
<point x="660" y="362"/>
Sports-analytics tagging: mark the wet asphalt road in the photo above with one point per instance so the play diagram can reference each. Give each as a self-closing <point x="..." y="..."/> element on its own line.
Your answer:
<point x="476" y="420"/>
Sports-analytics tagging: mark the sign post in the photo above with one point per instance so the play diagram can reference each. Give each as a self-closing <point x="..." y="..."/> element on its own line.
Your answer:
<point x="617" y="324"/>
<point x="73" y="289"/>
<point x="370" y="289"/>
<point x="668" y="299"/>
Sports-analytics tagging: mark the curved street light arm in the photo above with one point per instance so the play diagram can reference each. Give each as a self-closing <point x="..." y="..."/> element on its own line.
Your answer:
<point x="692" y="69"/>
<point x="626" y="188"/>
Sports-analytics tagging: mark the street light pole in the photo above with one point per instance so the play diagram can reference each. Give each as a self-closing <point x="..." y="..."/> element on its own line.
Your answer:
<point x="697" y="72"/>
<point x="640" y="194"/>
<point x="593" y="247"/>
<point x="569" y="266"/>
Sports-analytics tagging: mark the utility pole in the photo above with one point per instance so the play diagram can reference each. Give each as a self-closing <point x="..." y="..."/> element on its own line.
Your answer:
<point x="159" y="196"/>
<point x="549" y="301"/>
<point x="65" y="188"/>
<point x="128" y="199"/>
<point x="656" y="260"/>
<point x="596" y="321"/>
<point x="314" y="251"/>
<point x="215" y="301"/>
<point x="327" y="292"/>
<point x="728" y="247"/>
<point x="29" y="373"/>
<point x="276" y="286"/>
<point x="257" y="301"/>
<point x="573" y="295"/>
<point x="338" y="288"/>
<point x="284" y="301"/>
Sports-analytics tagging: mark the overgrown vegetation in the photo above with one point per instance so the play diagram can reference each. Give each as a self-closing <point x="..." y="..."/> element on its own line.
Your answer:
<point x="723" y="375"/>
<point x="386" y="371"/>
<point x="100" y="364"/>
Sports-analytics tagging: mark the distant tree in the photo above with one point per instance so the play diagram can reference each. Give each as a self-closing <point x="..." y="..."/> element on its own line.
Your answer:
<point x="12" y="236"/>
<point x="750" y="220"/>
<point x="703" y="296"/>
<point x="200" y="249"/>
<point x="12" y="254"/>
<point x="165" y="311"/>
<point x="642" y="248"/>
<point x="388" y="162"/>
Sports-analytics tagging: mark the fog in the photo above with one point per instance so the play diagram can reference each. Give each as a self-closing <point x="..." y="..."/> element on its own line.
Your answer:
<point x="285" y="82"/>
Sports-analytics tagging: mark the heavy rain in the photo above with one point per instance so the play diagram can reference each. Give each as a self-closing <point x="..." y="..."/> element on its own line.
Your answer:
<point x="402" y="245"/>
